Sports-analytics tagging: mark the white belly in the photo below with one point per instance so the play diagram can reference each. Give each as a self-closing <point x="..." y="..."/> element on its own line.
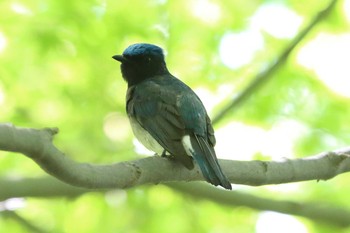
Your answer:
<point x="145" y="138"/>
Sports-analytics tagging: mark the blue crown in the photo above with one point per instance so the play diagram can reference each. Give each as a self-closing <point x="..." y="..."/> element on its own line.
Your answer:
<point x="143" y="49"/>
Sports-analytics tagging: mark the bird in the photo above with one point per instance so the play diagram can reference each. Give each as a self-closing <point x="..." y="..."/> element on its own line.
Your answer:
<point x="166" y="115"/>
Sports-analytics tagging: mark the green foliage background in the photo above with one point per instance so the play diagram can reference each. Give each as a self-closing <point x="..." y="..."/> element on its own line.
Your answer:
<point x="56" y="70"/>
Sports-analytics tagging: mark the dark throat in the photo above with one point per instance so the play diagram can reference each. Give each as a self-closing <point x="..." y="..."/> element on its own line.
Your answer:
<point x="136" y="73"/>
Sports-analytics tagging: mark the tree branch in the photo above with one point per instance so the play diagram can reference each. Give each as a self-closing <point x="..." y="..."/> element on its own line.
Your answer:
<point x="39" y="187"/>
<point x="267" y="74"/>
<point x="314" y="211"/>
<point x="51" y="187"/>
<point x="37" y="145"/>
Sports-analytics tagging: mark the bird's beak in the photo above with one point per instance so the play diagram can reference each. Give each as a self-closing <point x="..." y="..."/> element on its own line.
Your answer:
<point x="120" y="58"/>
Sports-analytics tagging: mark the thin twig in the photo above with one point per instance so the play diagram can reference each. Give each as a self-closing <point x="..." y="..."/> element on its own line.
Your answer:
<point x="267" y="74"/>
<point x="22" y="221"/>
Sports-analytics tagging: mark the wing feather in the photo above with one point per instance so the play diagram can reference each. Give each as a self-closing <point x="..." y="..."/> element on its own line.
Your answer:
<point x="156" y="112"/>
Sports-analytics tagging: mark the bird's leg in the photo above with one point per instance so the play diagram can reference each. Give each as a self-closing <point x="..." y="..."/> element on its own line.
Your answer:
<point x="165" y="155"/>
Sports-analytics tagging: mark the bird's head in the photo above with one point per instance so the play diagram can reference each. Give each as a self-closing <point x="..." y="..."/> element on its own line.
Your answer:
<point x="141" y="61"/>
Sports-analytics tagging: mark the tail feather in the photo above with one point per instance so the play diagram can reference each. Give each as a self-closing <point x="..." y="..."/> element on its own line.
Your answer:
<point x="204" y="155"/>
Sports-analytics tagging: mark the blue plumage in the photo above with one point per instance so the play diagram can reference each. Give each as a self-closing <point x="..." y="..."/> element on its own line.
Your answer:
<point x="165" y="114"/>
